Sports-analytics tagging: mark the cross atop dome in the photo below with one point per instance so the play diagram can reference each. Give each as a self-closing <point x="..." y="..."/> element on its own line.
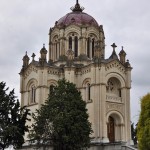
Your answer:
<point x="77" y="7"/>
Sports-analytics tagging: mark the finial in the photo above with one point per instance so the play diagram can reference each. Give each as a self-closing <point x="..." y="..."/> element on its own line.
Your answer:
<point x="122" y="47"/>
<point x="26" y="52"/>
<point x="43" y="45"/>
<point x="33" y="55"/>
<point x="77" y="7"/>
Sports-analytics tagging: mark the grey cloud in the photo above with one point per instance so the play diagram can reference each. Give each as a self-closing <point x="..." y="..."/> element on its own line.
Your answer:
<point x="24" y="26"/>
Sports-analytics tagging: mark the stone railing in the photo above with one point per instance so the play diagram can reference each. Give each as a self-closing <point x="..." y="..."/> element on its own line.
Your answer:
<point x="110" y="97"/>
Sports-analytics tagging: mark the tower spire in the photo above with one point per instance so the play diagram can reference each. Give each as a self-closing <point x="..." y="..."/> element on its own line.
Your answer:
<point x="77" y="2"/>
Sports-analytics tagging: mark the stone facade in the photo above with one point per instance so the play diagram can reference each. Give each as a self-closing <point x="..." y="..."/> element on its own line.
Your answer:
<point x="77" y="53"/>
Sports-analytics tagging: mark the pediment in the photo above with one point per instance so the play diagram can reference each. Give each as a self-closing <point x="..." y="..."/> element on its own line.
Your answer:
<point x="115" y="64"/>
<point x="31" y="68"/>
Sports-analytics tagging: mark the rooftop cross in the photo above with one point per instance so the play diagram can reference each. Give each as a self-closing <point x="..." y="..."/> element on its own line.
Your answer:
<point x="114" y="46"/>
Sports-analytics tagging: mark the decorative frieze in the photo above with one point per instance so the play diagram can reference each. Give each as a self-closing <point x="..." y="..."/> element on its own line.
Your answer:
<point x="113" y="98"/>
<point x="55" y="72"/>
<point x="114" y="107"/>
<point x="113" y="65"/>
<point x="86" y="70"/>
<point x="29" y="70"/>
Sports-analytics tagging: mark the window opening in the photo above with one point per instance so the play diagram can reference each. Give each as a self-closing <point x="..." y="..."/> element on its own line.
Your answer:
<point x="88" y="47"/>
<point x="76" y="46"/>
<point x="70" y="42"/>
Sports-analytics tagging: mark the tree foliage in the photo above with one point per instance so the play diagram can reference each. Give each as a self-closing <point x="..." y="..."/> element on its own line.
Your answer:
<point x="12" y="119"/>
<point x="144" y="124"/>
<point x="63" y="119"/>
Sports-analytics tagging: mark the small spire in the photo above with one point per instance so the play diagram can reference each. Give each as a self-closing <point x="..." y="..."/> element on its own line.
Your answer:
<point x="33" y="56"/>
<point x="25" y="60"/>
<point x="122" y="52"/>
<point x="128" y="63"/>
<point x="44" y="45"/>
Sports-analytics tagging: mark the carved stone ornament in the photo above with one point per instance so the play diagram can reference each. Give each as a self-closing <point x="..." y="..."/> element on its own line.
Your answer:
<point x="70" y="55"/>
<point x="114" y="107"/>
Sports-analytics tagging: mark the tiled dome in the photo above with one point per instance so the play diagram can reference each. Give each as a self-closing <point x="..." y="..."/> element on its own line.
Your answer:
<point x="77" y="17"/>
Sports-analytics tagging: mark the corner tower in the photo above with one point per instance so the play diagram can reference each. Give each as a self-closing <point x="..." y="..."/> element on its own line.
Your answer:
<point x="77" y="53"/>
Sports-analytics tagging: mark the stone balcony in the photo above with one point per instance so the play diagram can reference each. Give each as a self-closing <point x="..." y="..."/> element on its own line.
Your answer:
<point x="113" y="98"/>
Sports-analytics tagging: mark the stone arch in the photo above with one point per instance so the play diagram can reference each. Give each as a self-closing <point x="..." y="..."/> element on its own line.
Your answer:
<point x="116" y="75"/>
<point x="85" y="81"/>
<point x="93" y="32"/>
<point x="52" y="82"/>
<point x="51" y="85"/>
<point x="73" y="42"/>
<point x="115" y="126"/>
<point x="118" y="116"/>
<point x="90" y="44"/>
<point x="55" y="46"/>
<point x="72" y="34"/>
<point x="31" y="88"/>
<point x="92" y="35"/>
<point x="31" y="81"/>
<point x="114" y="86"/>
<point x="54" y="38"/>
<point x="87" y="89"/>
<point x="54" y="34"/>
<point x="72" y="28"/>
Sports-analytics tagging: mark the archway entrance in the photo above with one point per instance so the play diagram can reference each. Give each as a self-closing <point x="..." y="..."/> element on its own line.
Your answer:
<point x="111" y="129"/>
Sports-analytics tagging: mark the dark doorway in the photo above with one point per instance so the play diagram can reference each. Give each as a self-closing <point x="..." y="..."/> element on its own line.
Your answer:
<point x="111" y="129"/>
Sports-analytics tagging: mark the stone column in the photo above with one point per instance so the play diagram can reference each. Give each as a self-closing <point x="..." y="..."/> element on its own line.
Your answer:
<point x="50" y="51"/>
<point x="103" y="104"/>
<point x="128" y="119"/>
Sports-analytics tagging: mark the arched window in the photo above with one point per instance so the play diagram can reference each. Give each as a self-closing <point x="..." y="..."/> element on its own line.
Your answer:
<point x="88" y="47"/>
<point x="70" y="42"/>
<point x="56" y="49"/>
<point x="114" y="87"/>
<point x="32" y="93"/>
<point x="93" y="43"/>
<point x="88" y="91"/>
<point x="76" y="46"/>
<point x="111" y="129"/>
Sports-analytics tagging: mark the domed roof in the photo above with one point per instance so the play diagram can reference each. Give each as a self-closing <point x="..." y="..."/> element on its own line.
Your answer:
<point x="77" y="17"/>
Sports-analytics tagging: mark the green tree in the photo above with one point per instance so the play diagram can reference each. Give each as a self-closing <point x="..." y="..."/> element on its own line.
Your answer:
<point x="143" y="130"/>
<point x="12" y="119"/>
<point x="63" y="119"/>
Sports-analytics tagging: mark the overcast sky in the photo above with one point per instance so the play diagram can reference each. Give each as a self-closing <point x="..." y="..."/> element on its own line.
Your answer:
<point x="24" y="26"/>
